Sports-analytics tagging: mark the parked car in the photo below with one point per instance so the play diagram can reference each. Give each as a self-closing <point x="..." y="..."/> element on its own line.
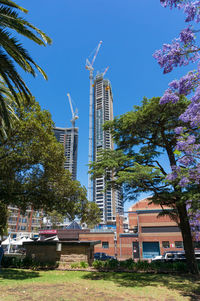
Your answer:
<point x="102" y="256"/>
<point x="171" y="256"/>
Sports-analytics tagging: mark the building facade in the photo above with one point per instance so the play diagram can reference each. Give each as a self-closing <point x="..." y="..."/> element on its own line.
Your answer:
<point x="28" y="223"/>
<point x="108" y="200"/>
<point x="147" y="235"/>
<point x="68" y="137"/>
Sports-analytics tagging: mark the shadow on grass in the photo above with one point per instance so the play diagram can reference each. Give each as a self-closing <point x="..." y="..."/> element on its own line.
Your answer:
<point x="17" y="274"/>
<point x="186" y="285"/>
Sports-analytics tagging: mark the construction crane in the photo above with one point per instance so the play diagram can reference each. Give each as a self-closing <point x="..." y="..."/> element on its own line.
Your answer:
<point x="73" y="120"/>
<point x="105" y="71"/>
<point x="89" y="66"/>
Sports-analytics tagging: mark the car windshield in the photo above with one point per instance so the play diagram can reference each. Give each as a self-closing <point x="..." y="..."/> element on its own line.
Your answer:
<point x="180" y="256"/>
<point x="170" y="255"/>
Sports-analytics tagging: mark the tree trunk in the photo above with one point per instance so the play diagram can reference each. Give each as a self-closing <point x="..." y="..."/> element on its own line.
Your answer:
<point x="187" y="239"/>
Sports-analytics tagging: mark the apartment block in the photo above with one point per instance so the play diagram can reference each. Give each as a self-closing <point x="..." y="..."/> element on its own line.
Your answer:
<point x="68" y="137"/>
<point x="108" y="200"/>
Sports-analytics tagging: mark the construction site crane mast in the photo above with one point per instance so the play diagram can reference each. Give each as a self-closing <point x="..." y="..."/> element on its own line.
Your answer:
<point x="89" y="66"/>
<point x="73" y="120"/>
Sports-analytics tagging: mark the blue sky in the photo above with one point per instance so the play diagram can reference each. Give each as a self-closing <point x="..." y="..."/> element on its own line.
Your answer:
<point x="131" y="30"/>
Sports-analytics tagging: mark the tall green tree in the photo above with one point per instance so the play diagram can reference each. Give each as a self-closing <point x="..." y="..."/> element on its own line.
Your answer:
<point x="145" y="154"/>
<point x="13" y="54"/>
<point x="3" y="219"/>
<point x="32" y="167"/>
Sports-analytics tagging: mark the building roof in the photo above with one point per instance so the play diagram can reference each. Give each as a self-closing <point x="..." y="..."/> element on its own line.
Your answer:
<point x="74" y="226"/>
<point x="145" y="205"/>
<point x="53" y="242"/>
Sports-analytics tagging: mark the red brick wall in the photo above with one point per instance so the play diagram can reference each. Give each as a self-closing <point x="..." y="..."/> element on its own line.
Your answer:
<point x="160" y="237"/>
<point x="124" y="247"/>
<point x="119" y="224"/>
<point x="103" y="237"/>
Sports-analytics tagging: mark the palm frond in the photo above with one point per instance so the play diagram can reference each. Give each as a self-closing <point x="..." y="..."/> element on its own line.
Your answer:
<point x="11" y="19"/>
<point x="12" y="78"/>
<point x="7" y="111"/>
<point x="13" y="4"/>
<point x="19" y="54"/>
<point x="16" y="51"/>
<point x="13" y="89"/>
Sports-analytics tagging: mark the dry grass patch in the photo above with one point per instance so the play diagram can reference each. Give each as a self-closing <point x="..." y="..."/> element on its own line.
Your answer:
<point x="26" y="285"/>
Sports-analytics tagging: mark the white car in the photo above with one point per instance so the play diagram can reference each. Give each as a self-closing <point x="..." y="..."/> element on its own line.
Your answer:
<point x="157" y="257"/>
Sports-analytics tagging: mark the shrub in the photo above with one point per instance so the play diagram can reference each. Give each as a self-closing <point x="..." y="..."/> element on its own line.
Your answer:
<point x="169" y="266"/>
<point x="180" y="266"/>
<point x="127" y="264"/>
<point x="111" y="264"/>
<point x="74" y="265"/>
<point x="98" y="264"/>
<point x="83" y="264"/>
<point x="142" y="265"/>
<point x="12" y="262"/>
<point x="27" y="262"/>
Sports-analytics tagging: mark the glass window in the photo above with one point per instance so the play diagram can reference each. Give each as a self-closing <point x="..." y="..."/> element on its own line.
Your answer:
<point x="105" y="244"/>
<point x="165" y="244"/>
<point x="178" y="244"/>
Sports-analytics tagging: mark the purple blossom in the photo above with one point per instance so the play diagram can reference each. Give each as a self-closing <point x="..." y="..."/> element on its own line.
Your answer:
<point x="169" y="97"/>
<point x="181" y="52"/>
<point x="179" y="130"/>
<point x="171" y="176"/>
<point x="187" y="36"/>
<point x="194" y="216"/>
<point x="191" y="139"/>
<point x="169" y="3"/>
<point x="186" y="161"/>
<point x="192" y="113"/>
<point x="181" y="144"/>
<point x="184" y="181"/>
<point x="190" y="10"/>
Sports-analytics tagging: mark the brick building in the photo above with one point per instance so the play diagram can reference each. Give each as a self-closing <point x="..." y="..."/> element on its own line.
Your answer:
<point x="147" y="235"/>
<point x="107" y="241"/>
<point x="28" y="223"/>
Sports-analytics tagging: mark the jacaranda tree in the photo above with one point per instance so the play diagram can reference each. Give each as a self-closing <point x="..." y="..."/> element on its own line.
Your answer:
<point x="183" y="50"/>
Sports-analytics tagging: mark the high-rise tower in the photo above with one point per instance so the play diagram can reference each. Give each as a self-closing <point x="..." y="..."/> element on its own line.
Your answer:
<point x="65" y="136"/>
<point x="108" y="200"/>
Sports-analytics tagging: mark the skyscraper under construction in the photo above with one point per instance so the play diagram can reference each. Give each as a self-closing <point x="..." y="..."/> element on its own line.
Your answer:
<point x="68" y="137"/>
<point x="108" y="200"/>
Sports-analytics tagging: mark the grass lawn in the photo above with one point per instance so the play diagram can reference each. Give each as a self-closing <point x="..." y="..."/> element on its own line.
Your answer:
<point x="22" y="285"/>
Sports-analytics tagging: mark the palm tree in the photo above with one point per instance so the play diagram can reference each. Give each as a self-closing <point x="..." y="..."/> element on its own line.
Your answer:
<point x="12" y="53"/>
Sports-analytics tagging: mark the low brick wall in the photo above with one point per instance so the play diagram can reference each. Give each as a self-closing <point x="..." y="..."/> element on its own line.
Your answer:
<point x="70" y="254"/>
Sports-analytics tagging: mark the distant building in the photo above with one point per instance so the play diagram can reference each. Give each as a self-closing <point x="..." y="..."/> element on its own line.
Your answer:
<point x="28" y="223"/>
<point x="68" y="137"/>
<point x="109" y="201"/>
<point x="144" y="237"/>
